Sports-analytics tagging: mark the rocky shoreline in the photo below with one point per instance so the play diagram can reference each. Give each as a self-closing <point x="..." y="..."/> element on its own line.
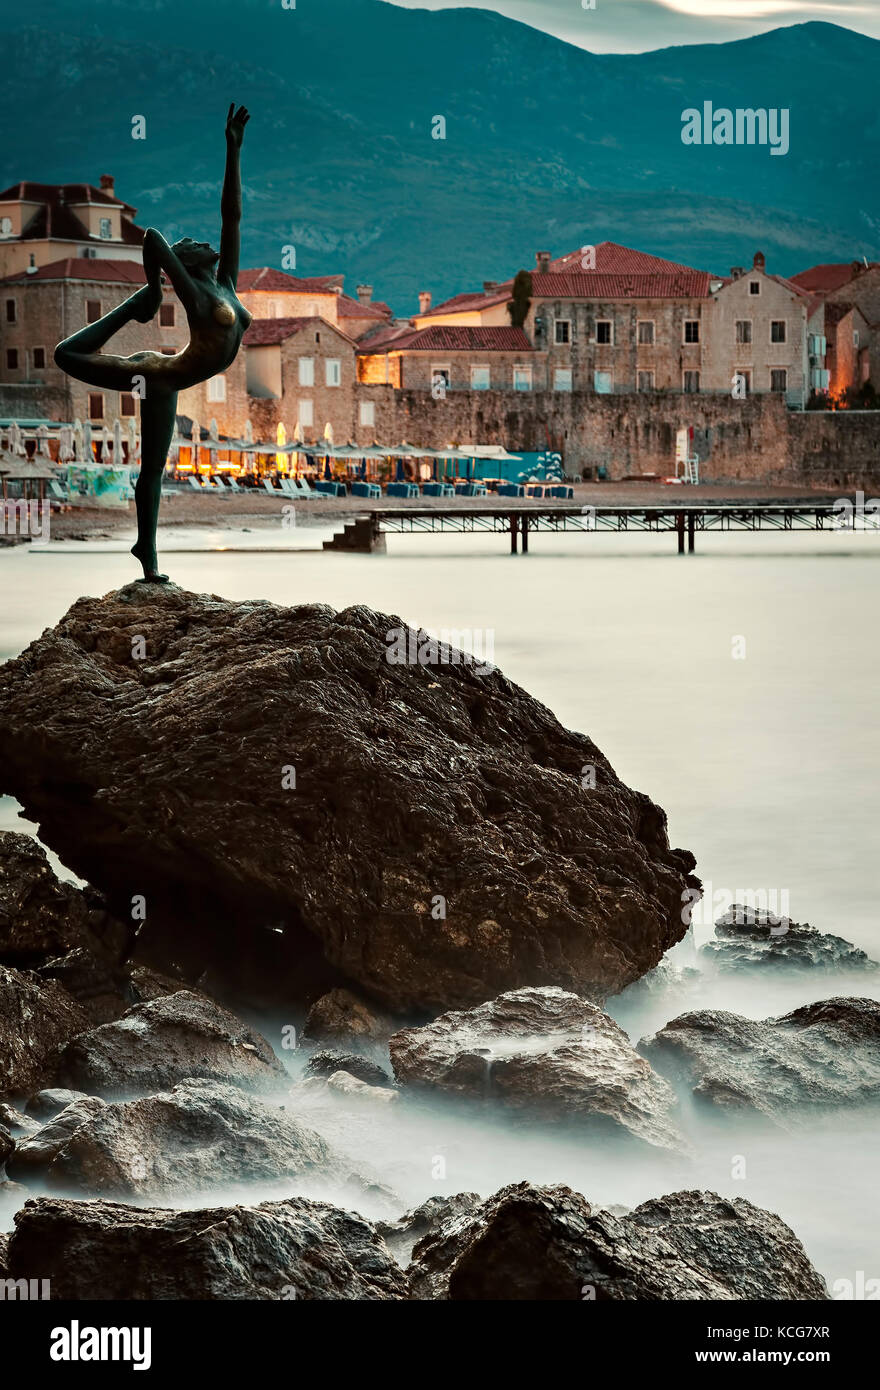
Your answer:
<point x="443" y="905"/>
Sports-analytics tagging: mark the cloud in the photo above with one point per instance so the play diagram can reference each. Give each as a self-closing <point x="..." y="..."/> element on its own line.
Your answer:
<point x="627" y="26"/>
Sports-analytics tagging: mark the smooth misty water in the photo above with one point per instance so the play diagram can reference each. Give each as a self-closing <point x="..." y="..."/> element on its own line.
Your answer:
<point x="767" y="768"/>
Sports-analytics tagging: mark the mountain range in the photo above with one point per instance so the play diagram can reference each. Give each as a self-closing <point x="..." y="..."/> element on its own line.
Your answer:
<point x="547" y="146"/>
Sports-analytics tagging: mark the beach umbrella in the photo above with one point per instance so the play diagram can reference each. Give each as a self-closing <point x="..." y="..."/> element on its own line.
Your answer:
<point x="79" y="452"/>
<point x="281" y="440"/>
<point x="65" y="444"/>
<point x="16" y="439"/>
<point x="132" y="439"/>
<point x="328" y="432"/>
<point x="117" y="442"/>
<point x="43" y="442"/>
<point x="88" y="446"/>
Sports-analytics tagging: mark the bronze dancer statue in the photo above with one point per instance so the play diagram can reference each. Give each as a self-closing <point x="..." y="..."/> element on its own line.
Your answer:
<point x="217" y="321"/>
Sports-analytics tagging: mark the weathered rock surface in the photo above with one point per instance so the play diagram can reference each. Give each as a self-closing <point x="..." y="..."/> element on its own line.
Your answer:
<point x="170" y="1039"/>
<point x="45" y="1105"/>
<point x="36" y="1018"/>
<point x="545" y="1052"/>
<point x="325" y="1063"/>
<point x="432" y="1215"/>
<point x="199" y="1135"/>
<point x="546" y="1243"/>
<point x="16" y="1122"/>
<point x="747" y="937"/>
<point x="39" y="915"/>
<point x="340" y="1016"/>
<point x="277" y="1250"/>
<point x="165" y="776"/>
<point x="7" y="1144"/>
<point x="825" y="1055"/>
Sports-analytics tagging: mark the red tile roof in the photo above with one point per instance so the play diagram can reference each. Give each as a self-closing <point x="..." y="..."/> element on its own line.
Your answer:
<point x="824" y="279"/>
<point x="593" y="284"/>
<point x="347" y="308"/>
<point x="265" y="332"/>
<point x="613" y="259"/>
<point x="471" y="301"/>
<point x="266" y="277"/>
<point x="54" y="217"/>
<point x="28" y="192"/>
<point x="383" y="339"/>
<point x="84" y="268"/>
<point x="453" y="338"/>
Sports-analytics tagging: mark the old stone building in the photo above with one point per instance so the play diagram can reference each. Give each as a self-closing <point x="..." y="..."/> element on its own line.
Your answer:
<point x="301" y="372"/>
<point x="851" y="293"/>
<point x="766" y="331"/>
<point x="273" y="294"/>
<point x="40" y="307"/>
<point x="41" y="223"/>
<point x="445" y="359"/>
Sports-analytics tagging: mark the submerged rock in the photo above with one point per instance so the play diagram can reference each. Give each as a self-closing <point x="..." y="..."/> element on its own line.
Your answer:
<point x="545" y="1052"/>
<point x="349" y="1086"/>
<point x="170" y="1039"/>
<point x="278" y="1250"/>
<point x="199" y="1135"/>
<point x="45" y="1105"/>
<point x="434" y="828"/>
<point x="822" y="1056"/>
<point x="546" y="1243"/>
<point x="36" y="1018"/>
<point x="437" y="1212"/>
<point x="747" y="937"/>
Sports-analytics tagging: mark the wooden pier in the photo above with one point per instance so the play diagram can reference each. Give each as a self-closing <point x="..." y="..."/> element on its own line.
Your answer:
<point x="520" y="523"/>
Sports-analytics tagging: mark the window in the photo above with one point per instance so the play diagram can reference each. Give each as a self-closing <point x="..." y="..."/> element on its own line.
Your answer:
<point x="754" y="287"/>
<point x="778" y="379"/>
<point x="692" y="330"/>
<point x="217" y="388"/>
<point x="106" y="229"/>
<point x="602" y="383"/>
<point x="5" y="226"/>
<point x="603" y="331"/>
<point x="333" y="371"/>
<point x="855" y="337"/>
<point x="646" y="381"/>
<point x="563" y="330"/>
<point x="93" y="310"/>
<point x="307" y="371"/>
<point x="96" y="405"/>
<point x="646" y="332"/>
<point x="777" y="331"/>
<point x="480" y="379"/>
<point x="12" y="359"/>
<point x="11" y="311"/>
<point x="562" y="379"/>
<point x="127" y="406"/>
<point x="166" y="315"/>
<point x="441" y="381"/>
<point x="367" y="413"/>
<point x="39" y="359"/>
<point x="691" y="382"/>
<point x="306" y="414"/>
<point x="743" y="331"/>
<point x="522" y="378"/>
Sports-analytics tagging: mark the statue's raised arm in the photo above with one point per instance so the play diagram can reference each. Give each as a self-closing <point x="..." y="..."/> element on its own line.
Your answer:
<point x="230" y="203"/>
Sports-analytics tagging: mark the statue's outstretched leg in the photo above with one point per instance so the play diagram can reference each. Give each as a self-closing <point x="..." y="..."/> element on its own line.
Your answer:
<point x="158" y="417"/>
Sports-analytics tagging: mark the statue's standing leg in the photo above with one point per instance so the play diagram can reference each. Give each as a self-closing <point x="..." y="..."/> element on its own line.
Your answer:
<point x="158" y="416"/>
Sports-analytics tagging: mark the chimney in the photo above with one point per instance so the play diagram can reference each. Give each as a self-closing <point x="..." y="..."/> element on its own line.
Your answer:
<point x="365" y="293"/>
<point x="759" y="262"/>
<point x="490" y="286"/>
<point x="736" y="271"/>
<point x="542" y="260"/>
<point x="424" y="301"/>
<point x="107" y="185"/>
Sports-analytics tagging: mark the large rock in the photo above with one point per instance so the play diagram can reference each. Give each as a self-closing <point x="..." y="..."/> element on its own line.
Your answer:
<point x="277" y="1250"/>
<point x="41" y="916"/>
<point x="155" y="1045"/>
<point x="546" y="1243"/>
<point x="325" y="1063"/>
<point x="197" y="1136"/>
<point x="36" y="1019"/>
<point x="747" y="937"/>
<point x="443" y="840"/>
<point x="821" y="1056"/>
<point x="547" y="1053"/>
<point x="341" y="1017"/>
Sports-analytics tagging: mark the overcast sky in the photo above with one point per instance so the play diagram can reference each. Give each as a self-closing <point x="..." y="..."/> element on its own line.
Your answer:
<point x="624" y="26"/>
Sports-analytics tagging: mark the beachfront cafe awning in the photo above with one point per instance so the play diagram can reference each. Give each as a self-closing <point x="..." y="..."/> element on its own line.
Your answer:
<point x="16" y="468"/>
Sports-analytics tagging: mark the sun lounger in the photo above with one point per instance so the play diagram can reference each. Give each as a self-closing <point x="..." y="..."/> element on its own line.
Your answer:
<point x="511" y="490"/>
<point x="364" y="489"/>
<point x="270" y="487"/>
<point x="402" y="490"/>
<point x="194" y="482"/>
<point x="438" y="490"/>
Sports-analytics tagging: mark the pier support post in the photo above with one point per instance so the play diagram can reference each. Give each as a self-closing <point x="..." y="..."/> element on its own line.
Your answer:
<point x="513" y="532"/>
<point x="525" y="535"/>
<point x="692" y="525"/>
<point x="679" y="526"/>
